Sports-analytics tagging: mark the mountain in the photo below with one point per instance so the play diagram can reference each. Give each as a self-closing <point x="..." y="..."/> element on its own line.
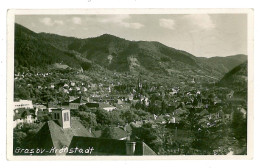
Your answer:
<point x="32" y="50"/>
<point x="236" y="76"/>
<point x="116" y="54"/>
<point x="225" y="64"/>
<point x="236" y="79"/>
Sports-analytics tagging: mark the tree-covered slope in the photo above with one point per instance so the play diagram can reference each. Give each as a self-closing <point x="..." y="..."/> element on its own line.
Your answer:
<point x="115" y="54"/>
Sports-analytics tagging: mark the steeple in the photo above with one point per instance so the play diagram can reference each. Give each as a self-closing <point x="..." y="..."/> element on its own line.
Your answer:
<point x="139" y="83"/>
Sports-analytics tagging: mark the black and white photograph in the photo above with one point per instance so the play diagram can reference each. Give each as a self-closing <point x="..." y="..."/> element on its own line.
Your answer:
<point x="138" y="83"/>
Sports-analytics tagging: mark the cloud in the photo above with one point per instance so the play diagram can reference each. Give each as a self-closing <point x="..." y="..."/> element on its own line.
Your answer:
<point x="76" y="20"/>
<point x="167" y="23"/>
<point x="49" y="22"/>
<point x="114" y="18"/>
<point x="59" y="22"/>
<point x="132" y="25"/>
<point x="121" y="20"/>
<point x="199" y="21"/>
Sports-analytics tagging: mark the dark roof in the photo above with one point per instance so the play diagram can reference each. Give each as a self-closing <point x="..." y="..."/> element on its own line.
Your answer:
<point x="64" y="104"/>
<point x="104" y="105"/>
<point x="97" y="133"/>
<point x="119" y="133"/>
<point x="59" y="137"/>
<point x="204" y="112"/>
<point x="107" y="146"/>
<point x="92" y="104"/>
<point x="78" y="100"/>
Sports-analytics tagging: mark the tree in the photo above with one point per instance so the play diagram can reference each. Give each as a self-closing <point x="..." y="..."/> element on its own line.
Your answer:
<point x="109" y="118"/>
<point x="129" y="116"/>
<point x="23" y="134"/>
<point x="107" y="133"/>
<point x="149" y="135"/>
<point x="239" y="127"/>
<point x="163" y="107"/>
<point x="83" y="108"/>
<point x="88" y="119"/>
<point x="18" y="138"/>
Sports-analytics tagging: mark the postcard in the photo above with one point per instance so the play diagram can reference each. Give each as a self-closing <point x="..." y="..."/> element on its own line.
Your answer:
<point x="130" y="84"/>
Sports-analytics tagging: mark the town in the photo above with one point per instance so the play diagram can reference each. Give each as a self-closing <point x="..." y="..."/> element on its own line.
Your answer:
<point x="124" y="114"/>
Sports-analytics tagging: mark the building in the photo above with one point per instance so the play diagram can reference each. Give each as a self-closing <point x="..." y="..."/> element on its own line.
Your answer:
<point x="106" y="107"/>
<point x="64" y="135"/>
<point x="23" y="104"/>
<point x="62" y="116"/>
<point x="22" y="116"/>
<point x="109" y="147"/>
<point x="76" y="103"/>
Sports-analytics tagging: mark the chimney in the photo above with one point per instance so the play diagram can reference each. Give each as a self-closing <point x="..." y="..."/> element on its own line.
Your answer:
<point x="130" y="148"/>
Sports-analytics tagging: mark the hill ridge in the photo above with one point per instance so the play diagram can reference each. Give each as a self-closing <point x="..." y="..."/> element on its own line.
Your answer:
<point x="115" y="54"/>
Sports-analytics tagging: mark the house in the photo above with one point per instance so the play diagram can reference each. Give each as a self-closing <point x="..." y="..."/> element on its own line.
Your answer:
<point x="23" y="104"/>
<point x="52" y="86"/>
<point x="173" y="92"/>
<point x="42" y="114"/>
<point x="159" y="119"/>
<point x="85" y="89"/>
<point x="119" y="101"/>
<point x="66" y="91"/>
<point x="230" y="95"/>
<point x="136" y="124"/>
<point x="243" y="111"/>
<point x="123" y="106"/>
<point x="71" y="98"/>
<point x="203" y="113"/>
<point x="227" y="116"/>
<point x="130" y="97"/>
<point x="92" y="105"/>
<point x="109" y="147"/>
<point x="72" y="83"/>
<point x="22" y="116"/>
<point x="67" y="136"/>
<point x="64" y="105"/>
<point x="56" y="135"/>
<point x="76" y="103"/>
<point x="53" y="104"/>
<point x="39" y="106"/>
<point x="66" y="85"/>
<point x="106" y="107"/>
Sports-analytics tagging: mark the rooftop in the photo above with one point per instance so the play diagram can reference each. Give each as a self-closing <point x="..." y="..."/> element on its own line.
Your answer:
<point x="52" y="135"/>
<point x="108" y="146"/>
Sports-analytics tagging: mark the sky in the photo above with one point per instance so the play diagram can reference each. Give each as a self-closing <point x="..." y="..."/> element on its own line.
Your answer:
<point x="203" y="35"/>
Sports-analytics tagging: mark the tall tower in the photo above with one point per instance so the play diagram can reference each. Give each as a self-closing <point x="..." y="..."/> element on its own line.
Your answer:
<point x="139" y="83"/>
